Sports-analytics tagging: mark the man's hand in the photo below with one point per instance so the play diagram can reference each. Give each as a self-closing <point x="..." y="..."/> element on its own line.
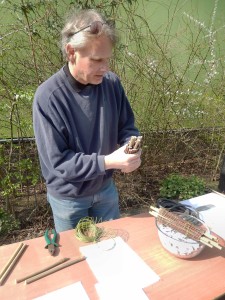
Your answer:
<point x="120" y="160"/>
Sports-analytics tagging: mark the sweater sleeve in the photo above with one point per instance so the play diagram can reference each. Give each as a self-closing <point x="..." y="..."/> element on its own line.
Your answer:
<point x="55" y="155"/>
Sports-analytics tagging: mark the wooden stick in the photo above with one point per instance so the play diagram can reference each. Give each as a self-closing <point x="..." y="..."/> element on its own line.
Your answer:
<point x="208" y="235"/>
<point x="60" y="267"/>
<point x="43" y="270"/>
<point x="205" y="242"/>
<point x="211" y="240"/>
<point x="212" y="243"/>
<point x="154" y="208"/>
<point x="14" y="259"/>
<point x="215" y="245"/>
<point x="155" y="214"/>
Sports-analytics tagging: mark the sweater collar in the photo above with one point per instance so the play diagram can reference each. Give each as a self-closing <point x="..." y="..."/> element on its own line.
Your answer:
<point x="76" y="85"/>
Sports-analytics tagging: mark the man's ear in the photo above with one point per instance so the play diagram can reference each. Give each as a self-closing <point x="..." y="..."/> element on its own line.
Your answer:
<point x="71" y="56"/>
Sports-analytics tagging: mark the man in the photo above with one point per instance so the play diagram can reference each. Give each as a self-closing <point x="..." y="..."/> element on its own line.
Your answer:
<point x="81" y="114"/>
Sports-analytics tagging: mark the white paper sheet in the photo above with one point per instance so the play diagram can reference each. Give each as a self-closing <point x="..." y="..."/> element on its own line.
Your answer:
<point x="70" y="292"/>
<point x="118" y="265"/>
<point x="214" y="217"/>
<point x="120" y="291"/>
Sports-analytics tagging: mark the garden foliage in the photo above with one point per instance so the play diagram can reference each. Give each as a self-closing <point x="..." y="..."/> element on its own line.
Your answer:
<point x="172" y="69"/>
<point x="179" y="187"/>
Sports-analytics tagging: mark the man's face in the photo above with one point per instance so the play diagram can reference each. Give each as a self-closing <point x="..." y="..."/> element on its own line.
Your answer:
<point x="92" y="62"/>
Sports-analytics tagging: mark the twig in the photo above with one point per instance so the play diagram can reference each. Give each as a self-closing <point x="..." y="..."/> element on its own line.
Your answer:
<point x="28" y="219"/>
<point x="60" y="267"/>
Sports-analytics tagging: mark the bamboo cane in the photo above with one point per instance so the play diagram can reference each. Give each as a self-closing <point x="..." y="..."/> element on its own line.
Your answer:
<point x="52" y="270"/>
<point x="42" y="270"/>
<point x="12" y="262"/>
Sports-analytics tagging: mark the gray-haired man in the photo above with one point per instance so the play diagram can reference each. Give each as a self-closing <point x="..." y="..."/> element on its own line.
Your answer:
<point x="81" y="114"/>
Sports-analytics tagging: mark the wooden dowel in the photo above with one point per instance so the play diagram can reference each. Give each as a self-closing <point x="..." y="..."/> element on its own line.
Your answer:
<point x="13" y="260"/>
<point x="60" y="267"/>
<point x="210" y="236"/>
<point x="42" y="270"/>
<point x="154" y="208"/>
<point x="215" y="244"/>
<point x="210" y="242"/>
<point x="205" y="242"/>
<point x="154" y="213"/>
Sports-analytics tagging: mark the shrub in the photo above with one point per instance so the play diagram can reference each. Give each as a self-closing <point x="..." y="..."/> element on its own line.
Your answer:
<point x="179" y="187"/>
<point x="7" y="222"/>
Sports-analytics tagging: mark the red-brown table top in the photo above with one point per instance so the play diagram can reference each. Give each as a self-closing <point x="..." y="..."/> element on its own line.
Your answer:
<point x="200" y="278"/>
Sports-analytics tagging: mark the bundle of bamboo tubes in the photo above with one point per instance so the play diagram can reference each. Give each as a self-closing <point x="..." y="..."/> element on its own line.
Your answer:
<point x="133" y="145"/>
<point x="182" y="225"/>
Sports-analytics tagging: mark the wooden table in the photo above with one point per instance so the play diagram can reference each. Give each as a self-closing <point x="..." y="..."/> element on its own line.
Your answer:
<point x="200" y="278"/>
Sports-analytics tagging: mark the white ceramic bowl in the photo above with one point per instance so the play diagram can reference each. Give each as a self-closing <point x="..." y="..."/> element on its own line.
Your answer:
<point x="177" y="243"/>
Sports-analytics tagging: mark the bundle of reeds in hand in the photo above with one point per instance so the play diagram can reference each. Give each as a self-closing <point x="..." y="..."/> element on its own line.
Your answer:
<point x="133" y="145"/>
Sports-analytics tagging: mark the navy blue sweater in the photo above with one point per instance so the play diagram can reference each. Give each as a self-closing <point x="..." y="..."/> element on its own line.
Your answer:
<point x="75" y="126"/>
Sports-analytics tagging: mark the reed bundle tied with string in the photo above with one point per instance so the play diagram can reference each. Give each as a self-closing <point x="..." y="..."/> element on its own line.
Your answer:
<point x="133" y="145"/>
<point x="182" y="224"/>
